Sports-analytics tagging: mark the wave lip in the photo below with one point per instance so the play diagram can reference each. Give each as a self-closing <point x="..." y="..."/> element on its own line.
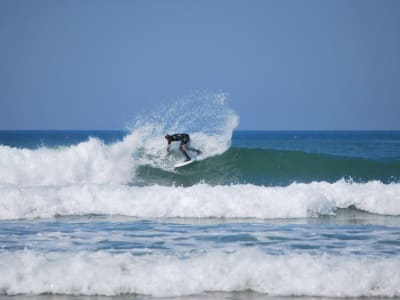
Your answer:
<point x="102" y="273"/>
<point x="297" y="200"/>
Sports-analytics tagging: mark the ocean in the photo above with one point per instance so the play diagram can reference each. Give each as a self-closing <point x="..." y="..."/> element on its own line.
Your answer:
<point x="259" y="215"/>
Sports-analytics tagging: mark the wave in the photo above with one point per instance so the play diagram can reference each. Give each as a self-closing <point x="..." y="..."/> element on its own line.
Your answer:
<point x="273" y="167"/>
<point x="297" y="200"/>
<point x="103" y="273"/>
<point x="140" y="157"/>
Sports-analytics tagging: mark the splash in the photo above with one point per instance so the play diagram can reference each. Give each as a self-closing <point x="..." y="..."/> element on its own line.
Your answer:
<point x="206" y="117"/>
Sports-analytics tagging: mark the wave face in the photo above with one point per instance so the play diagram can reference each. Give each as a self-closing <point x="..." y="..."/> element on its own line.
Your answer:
<point x="102" y="273"/>
<point x="274" y="167"/>
<point x="139" y="158"/>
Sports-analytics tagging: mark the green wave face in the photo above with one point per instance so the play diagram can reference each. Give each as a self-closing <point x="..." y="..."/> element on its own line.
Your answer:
<point x="272" y="167"/>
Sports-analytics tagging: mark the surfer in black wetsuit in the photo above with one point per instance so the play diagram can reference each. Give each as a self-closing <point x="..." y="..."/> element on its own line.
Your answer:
<point x="184" y="146"/>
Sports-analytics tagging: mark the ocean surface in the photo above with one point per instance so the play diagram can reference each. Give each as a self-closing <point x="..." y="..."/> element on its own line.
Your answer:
<point x="259" y="215"/>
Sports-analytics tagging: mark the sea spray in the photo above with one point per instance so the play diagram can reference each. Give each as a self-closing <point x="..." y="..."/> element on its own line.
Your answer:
<point x="206" y="117"/>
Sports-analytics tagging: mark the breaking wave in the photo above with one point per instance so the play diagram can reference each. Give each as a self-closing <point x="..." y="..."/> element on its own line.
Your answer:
<point x="297" y="200"/>
<point x="102" y="273"/>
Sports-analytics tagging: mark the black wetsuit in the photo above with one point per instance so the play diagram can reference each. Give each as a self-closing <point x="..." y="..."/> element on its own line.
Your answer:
<point x="182" y="137"/>
<point x="185" y="141"/>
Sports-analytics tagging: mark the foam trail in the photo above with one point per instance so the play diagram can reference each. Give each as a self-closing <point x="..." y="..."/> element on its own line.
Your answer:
<point x="199" y="201"/>
<point x="93" y="162"/>
<point x="102" y="273"/>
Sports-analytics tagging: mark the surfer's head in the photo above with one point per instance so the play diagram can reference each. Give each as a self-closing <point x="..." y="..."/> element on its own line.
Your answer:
<point x="168" y="137"/>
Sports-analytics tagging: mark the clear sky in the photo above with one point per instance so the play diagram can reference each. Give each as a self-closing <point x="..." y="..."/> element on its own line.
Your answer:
<point x="306" y="65"/>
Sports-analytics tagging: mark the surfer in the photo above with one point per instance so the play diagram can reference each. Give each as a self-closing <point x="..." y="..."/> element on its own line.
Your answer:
<point x="184" y="146"/>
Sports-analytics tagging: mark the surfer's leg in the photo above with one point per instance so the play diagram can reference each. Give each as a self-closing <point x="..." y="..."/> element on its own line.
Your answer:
<point x="187" y="146"/>
<point x="194" y="150"/>
<point x="182" y="147"/>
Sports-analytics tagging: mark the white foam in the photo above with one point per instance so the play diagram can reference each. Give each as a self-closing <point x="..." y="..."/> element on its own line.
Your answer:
<point x="374" y="196"/>
<point x="199" y="201"/>
<point x="102" y="273"/>
<point x="88" y="162"/>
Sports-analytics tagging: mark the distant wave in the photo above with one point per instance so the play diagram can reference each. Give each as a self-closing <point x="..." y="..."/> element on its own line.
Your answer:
<point x="297" y="200"/>
<point x="103" y="273"/>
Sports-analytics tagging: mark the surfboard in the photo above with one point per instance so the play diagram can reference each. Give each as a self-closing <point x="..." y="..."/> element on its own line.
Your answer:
<point x="185" y="163"/>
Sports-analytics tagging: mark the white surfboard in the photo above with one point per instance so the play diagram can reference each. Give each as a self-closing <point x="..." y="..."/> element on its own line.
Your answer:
<point x="184" y="163"/>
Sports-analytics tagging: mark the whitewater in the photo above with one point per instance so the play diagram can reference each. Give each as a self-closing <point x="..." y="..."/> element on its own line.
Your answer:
<point x="107" y="274"/>
<point x="200" y="201"/>
<point x="293" y="214"/>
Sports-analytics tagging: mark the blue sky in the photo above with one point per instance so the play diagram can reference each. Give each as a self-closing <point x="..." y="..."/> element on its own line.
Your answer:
<point x="306" y="65"/>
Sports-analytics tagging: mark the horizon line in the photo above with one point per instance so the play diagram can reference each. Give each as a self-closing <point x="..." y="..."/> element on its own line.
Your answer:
<point x="268" y="130"/>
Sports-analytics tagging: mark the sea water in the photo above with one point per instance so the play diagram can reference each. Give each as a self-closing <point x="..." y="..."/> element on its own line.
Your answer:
<point x="260" y="215"/>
